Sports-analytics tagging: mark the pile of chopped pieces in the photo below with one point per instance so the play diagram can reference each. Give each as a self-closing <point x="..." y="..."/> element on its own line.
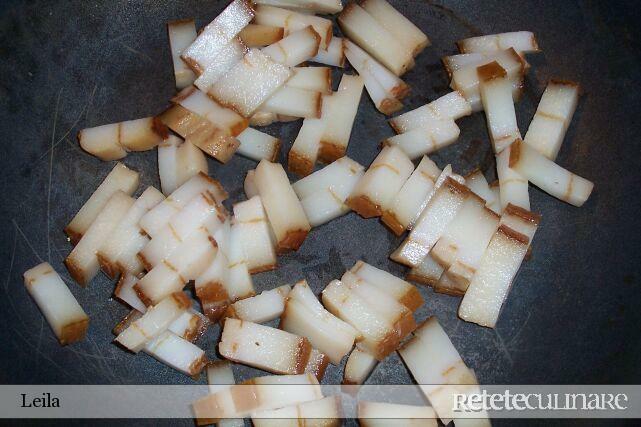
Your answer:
<point x="249" y="66"/>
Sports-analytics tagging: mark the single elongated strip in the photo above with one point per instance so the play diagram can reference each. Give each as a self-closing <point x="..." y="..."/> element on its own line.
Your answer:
<point x="439" y="212"/>
<point x="154" y="220"/>
<point x="201" y="132"/>
<point x="229" y="54"/>
<point x="339" y="112"/>
<point x="476" y="182"/>
<point x="126" y="293"/>
<point x="222" y="118"/>
<point x="434" y="362"/>
<point x="513" y="186"/>
<point x="521" y="41"/>
<point x="263" y="347"/>
<point x="177" y="352"/>
<point x="552" y="117"/>
<point x="419" y="142"/>
<point x="461" y="247"/>
<point x="318" y="79"/>
<point x="154" y="322"/>
<point x="375" y="191"/>
<point x="205" y="49"/>
<point x="408" y="34"/>
<point x="380" y="414"/>
<point x="323" y="194"/>
<point x="113" y="141"/>
<point x="249" y="83"/>
<point x="284" y="210"/>
<point x="304" y="152"/>
<point x="297" y="47"/>
<point x="293" y="21"/>
<point x="392" y="311"/>
<point x="399" y="289"/>
<point x="358" y="367"/>
<point x="295" y="102"/>
<point x="60" y="308"/>
<point x="305" y="316"/>
<point x="186" y="263"/>
<point x="182" y="34"/>
<point x="82" y="262"/>
<point x="427" y="272"/>
<point x="121" y="178"/>
<point x="383" y="86"/>
<point x="496" y="95"/>
<point x="255" y="235"/>
<point x="261" y="393"/>
<point x="333" y="55"/>
<point x="256" y="35"/>
<point x="465" y="79"/>
<point x="369" y="34"/>
<point x="412" y="197"/>
<point x="201" y="211"/>
<point x="266" y="306"/>
<point x="310" y="6"/>
<point x="258" y="145"/>
<point x="491" y="284"/>
<point x="377" y="336"/>
<point x="548" y="176"/>
<point x="452" y="106"/>
<point x="118" y="252"/>
<point x="326" y="412"/>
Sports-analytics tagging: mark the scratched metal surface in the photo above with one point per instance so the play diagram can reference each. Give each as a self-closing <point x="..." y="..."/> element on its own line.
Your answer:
<point x="572" y="316"/>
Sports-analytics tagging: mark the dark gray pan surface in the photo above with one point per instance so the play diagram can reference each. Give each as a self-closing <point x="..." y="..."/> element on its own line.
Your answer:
<point x="573" y="313"/>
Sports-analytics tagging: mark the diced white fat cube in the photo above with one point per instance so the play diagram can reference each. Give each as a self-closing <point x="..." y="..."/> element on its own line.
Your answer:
<point x="263" y="347"/>
<point x="56" y="302"/>
<point x="102" y="142"/>
<point x="305" y="316"/>
<point x="381" y="414"/>
<point x="256" y="35"/>
<point x="521" y="41"/>
<point x="438" y="368"/>
<point x="177" y="352"/>
<point x="255" y="235"/>
<point x="294" y="102"/>
<point x="465" y="78"/>
<point x="205" y="49"/>
<point x="548" y="176"/>
<point x="121" y="178"/>
<point x="412" y="197"/>
<point x="476" y="182"/>
<point x="491" y="284"/>
<point x="452" y="106"/>
<point x="375" y="191"/>
<point x="113" y="141"/>
<point x="304" y="152"/>
<point x="402" y="291"/>
<point x="323" y="194"/>
<point x="266" y="306"/>
<point x="439" y="212"/>
<point x="358" y="367"/>
<point x="317" y="364"/>
<point x="119" y="251"/>
<point x="257" y="145"/>
<point x="378" y="336"/>
<point x="126" y="293"/>
<point x="227" y="57"/>
<point x="317" y="79"/>
<point x="513" y="186"/>
<point x="297" y="47"/>
<point x="404" y="30"/>
<point x="249" y="83"/>
<point x="428" y="272"/>
<point x="368" y="33"/>
<point x="552" y="117"/>
<point x="190" y="325"/>
<point x="82" y="262"/>
<point x="220" y="376"/>
<point x="418" y="142"/>
<point x="154" y="322"/>
<point x="182" y="33"/>
<point x="284" y="211"/>
<point x="520" y="220"/>
<point x="333" y="55"/>
<point x="496" y="95"/>
<point x="159" y="216"/>
<point x="293" y="21"/>
<point x="250" y="184"/>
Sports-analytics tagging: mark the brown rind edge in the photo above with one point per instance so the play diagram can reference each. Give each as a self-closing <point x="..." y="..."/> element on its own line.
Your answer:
<point x="292" y="241"/>
<point x="74" y="332"/>
<point x="363" y="206"/>
<point x="389" y="219"/>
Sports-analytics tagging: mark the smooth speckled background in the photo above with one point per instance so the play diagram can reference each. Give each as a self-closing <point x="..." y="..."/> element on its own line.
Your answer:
<point x="572" y="315"/>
